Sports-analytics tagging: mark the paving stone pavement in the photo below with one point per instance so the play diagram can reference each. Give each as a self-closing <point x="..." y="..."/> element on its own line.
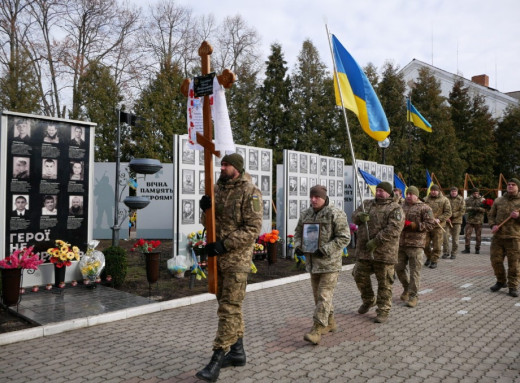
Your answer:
<point x="459" y="332"/>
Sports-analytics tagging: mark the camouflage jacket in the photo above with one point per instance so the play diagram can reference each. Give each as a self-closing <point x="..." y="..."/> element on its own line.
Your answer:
<point x="440" y="206"/>
<point x="334" y="237"/>
<point x="238" y="221"/>
<point x="500" y="211"/>
<point x="422" y="215"/>
<point x="385" y="226"/>
<point x="475" y="210"/>
<point x="458" y="207"/>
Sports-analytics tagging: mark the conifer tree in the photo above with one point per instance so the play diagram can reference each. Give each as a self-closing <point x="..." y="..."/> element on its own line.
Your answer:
<point x="508" y="144"/>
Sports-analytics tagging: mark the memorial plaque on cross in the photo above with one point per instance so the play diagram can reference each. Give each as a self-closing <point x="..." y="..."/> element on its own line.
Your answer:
<point x="226" y="79"/>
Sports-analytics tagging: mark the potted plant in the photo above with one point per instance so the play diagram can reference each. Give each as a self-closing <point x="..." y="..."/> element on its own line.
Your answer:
<point x="61" y="257"/>
<point x="151" y="257"/>
<point x="12" y="268"/>
<point x="271" y="240"/>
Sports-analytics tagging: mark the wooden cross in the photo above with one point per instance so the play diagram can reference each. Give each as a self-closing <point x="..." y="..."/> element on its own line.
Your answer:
<point x="226" y="79"/>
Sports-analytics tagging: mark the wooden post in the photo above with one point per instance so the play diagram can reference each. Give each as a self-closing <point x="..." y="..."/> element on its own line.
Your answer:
<point x="226" y="79"/>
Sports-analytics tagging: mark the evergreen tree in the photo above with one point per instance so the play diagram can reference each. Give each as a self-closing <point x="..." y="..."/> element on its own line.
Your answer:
<point x="508" y="144"/>
<point x="460" y="110"/>
<point x="391" y="94"/>
<point x="274" y="130"/>
<point x="162" y="109"/>
<point x="98" y="96"/>
<point x="438" y="150"/>
<point x="314" y="122"/>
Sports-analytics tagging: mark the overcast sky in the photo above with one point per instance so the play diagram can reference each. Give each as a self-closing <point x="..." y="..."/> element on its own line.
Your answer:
<point x="468" y="37"/>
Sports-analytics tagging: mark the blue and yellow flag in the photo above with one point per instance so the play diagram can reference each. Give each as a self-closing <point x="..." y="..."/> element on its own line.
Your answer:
<point x="429" y="182"/>
<point x="400" y="184"/>
<point x="357" y="94"/>
<point x="416" y="118"/>
<point x="370" y="180"/>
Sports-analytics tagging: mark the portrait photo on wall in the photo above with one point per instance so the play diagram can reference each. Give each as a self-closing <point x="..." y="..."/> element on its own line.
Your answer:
<point x="254" y="179"/>
<point x="311" y="237"/>
<point x="22" y="129"/>
<point x="265" y="164"/>
<point x="303" y="163"/>
<point x="188" y="211"/>
<point x="49" y="169"/>
<point x="340" y="204"/>
<point x="201" y="181"/>
<point x="293" y="185"/>
<point x="293" y="209"/>
<point x="332" y="167"/>
<point x="303" y="186"/>
<point x="293" y="162"/>
<point x="265" y="187"/>
<point x="21" y="167"/>
<point x="253" y="159"/>
<point x="76" y="205"/>
<point x="266" y="205"/>
<point x="21" y="207"/>
<point x="312" y="181"/>
<point x="323" y="166"/>
<point x="51" y="133"/>
<point x="339" y="168"/>
<point x="242" y="152"/>
<point x="188" y="181"/>
<point x="303" y="205"/>
<point x="188" y="155"/>
<point x="339" y="190"/>
<point x="313" y="169"/>
<point x="49" y="205"/>
<point x="331" y="188"/>
<point x="76" y="170"/>
<point x="77" y="137"/>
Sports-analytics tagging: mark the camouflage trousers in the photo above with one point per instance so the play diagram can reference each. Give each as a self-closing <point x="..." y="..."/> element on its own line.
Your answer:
<point x="411" y="257"/>
<point x="230" y="295"/>
<point x="454" y="233"/>
<point x="500" y="249"/>
<point x="323" y="285"/>
<point x="385" y="278"/>
<point x="433" y="244"/>
<point x="478" y="234"/>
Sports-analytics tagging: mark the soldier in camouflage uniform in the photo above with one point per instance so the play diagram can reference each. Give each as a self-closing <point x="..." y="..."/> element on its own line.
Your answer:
<point x="398" y="196"/>
<point x="458" y="207"/>
<point x="474" y="220"/>
<point x="376" y="250"/>
<point x="238" y="221"/>
<point x="418" y="221"/>
<point x="506" y="238"/>
<point x="441" y="212"/>
<point x="324" y="264"/>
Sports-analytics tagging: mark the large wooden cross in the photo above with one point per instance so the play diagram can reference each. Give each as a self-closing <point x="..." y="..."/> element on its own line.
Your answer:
<point x="226" y="79"/>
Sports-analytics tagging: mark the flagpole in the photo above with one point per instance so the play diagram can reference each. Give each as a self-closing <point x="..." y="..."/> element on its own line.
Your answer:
<point x="348" y="129"/>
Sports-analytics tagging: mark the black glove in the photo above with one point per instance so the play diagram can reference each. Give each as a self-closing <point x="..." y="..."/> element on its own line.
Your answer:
<point x="205" y="202"/>
<point x="299" y="251"/>
<point x="318" y="253"/>
<point x="215" y="248"/>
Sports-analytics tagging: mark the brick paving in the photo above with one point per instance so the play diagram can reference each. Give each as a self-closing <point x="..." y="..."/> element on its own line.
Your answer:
<point x="459" y="332"/>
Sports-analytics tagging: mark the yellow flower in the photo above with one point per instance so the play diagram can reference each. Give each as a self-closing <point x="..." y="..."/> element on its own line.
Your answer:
<point x="63" y="257"/>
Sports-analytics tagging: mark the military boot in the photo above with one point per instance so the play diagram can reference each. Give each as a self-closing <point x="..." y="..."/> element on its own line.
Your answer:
<point x="445" y="256"/>
<point x="513" y="293"/>
<point x="466" y="250"/>
<point x="453" y="256"/>
<point x="211" y="372"/>
<point x="427" y="263"/>
<point x="236" y="356"/>
<point x="363" y="309"/>
<point x="433" y="265"/>
<point x="405" y="295"/>
<point x="331" y="327"/>
<point x="412" y="302"/>
<point x="477" y="250"/>
<point x="497" y="286"/>
<point x="314" y="336"/>
<point x="381" y="318"/>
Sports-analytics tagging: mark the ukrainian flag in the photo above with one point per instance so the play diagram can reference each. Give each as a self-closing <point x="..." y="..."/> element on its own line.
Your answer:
<point x="429" y="182"/>
<point x="416" y="118"/>
<point x="400" y="184"/>
<point x="370" y="180"/>
<point x="357" y="94"/>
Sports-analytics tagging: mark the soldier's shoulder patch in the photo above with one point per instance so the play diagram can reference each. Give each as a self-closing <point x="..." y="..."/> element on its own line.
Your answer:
<point x="397" y="214"/>
<point x="430" y="213"/>
<point x="257" y="205"/>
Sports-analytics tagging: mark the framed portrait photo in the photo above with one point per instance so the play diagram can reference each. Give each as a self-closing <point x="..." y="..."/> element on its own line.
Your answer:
<point x="311" y="237"/>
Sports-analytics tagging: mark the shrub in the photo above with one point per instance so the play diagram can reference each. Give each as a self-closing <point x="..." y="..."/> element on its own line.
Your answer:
<point x="116" y="264"/>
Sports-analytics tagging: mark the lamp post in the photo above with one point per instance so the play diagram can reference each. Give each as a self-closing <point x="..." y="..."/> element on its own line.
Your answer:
<point x="383" y="145"/>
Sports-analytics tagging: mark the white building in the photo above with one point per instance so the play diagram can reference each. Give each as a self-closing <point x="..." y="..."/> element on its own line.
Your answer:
<point x="495" y="100"/>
